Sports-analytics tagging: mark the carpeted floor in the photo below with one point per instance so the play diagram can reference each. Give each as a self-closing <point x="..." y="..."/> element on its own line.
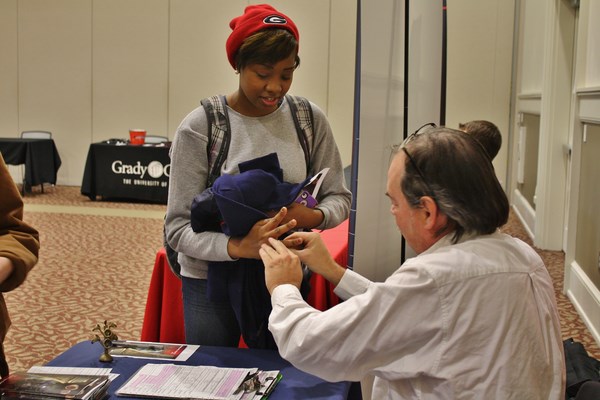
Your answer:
<point x="95" y="264"/>
<point x="91" y="268"/>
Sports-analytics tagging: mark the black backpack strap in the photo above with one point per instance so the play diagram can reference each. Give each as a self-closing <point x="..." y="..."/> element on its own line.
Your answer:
<point x="302" y="114"/>
<point x="219" y="135"/>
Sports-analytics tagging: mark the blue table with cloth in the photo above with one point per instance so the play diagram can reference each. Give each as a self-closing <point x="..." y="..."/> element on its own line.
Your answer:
<point x="295" y="384"/>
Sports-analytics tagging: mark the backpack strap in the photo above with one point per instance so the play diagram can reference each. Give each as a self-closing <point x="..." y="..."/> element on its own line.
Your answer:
<point x="219" y="135"/>
<point x="216" y="151"/>
<point x="302" y="114"/>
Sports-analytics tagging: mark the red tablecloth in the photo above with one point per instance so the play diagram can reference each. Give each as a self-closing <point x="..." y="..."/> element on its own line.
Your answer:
<point x="163" y="318"/>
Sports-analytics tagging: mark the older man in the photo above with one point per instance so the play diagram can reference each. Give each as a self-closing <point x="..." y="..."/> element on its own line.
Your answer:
<point x="472" y="316"/>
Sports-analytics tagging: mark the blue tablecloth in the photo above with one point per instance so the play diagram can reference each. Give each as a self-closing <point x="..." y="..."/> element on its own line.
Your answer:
<point x="295" y="384"/>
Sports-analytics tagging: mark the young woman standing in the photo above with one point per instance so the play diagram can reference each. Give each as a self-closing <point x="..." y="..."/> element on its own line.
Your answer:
<point x="263" y="50"/>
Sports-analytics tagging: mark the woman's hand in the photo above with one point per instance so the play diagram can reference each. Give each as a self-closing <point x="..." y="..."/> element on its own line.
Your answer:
<point x="305" y="217"/>
<point x="248" y="246"/>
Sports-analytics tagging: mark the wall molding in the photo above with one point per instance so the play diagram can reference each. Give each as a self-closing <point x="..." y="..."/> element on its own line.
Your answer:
<point x="524" y="212"/>
<point x="529" y="103"/>
<point x="589" y="105"/>
<point x="585" y="298"/>
<point x="588" y="91"/>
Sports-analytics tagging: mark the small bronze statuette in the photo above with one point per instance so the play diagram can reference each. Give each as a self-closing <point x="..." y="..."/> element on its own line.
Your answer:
<point x="106" y="338"/>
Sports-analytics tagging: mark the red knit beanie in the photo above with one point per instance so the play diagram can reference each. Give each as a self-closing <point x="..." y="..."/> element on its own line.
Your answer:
<point x="256" y="18"/>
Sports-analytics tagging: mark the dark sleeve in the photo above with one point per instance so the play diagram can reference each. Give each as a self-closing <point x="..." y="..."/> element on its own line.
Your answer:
<point x="19" y="242"/>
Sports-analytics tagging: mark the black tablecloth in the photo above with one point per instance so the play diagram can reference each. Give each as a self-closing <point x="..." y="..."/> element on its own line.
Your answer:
<point x="40" y="157"/>
<point x="295" y="384"/>
<point x="127" y="172"/>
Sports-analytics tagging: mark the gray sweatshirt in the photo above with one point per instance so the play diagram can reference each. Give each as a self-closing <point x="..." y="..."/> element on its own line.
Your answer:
<point x="251" y="137"/>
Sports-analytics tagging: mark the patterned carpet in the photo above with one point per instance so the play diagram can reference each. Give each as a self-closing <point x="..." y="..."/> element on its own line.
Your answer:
<point x="91" y="268"/>
<point x="97" y="266"/>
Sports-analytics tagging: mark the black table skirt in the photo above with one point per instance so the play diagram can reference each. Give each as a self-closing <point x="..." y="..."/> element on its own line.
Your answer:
<point x="127" y="172"/>
<point x="40" y="157"/>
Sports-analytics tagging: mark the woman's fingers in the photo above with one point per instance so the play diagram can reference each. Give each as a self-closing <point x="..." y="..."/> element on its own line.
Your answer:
<point x="273" y="226"/>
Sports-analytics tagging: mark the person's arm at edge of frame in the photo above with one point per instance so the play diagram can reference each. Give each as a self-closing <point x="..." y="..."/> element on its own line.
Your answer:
<point x="19" y="242"/>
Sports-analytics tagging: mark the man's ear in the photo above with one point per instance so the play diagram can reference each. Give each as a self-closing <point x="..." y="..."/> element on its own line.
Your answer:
<point x="433" y="218"/>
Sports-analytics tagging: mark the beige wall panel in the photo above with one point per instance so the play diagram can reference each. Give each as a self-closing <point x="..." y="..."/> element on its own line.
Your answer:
<point x="198" y="61"/>
<point x="592" y="63"/>
<point x="130" y="67"/>
<point x="582" y="249"/>
<point x="342" y="56"/>
<point x="582" y="37"/>
<point x="587" y="247"/>
<point x="480" y="35"/>
<point x="533" y="17"/>
<point x="9" y="116"/>
<point x="55" y="76"/>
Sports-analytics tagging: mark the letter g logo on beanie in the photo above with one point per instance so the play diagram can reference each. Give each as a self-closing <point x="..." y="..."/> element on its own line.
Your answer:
<point x="274" y="19"/>
<point x="256" y="18"/>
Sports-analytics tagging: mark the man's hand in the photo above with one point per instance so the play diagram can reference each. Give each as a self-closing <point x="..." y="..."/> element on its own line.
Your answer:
<point x="282" y="266"/>
<point x="311" y="250"/>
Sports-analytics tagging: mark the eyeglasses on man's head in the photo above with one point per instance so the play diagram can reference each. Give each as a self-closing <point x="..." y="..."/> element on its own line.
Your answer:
<point x="420" y="130"/>
<point x="423" y="128"/>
